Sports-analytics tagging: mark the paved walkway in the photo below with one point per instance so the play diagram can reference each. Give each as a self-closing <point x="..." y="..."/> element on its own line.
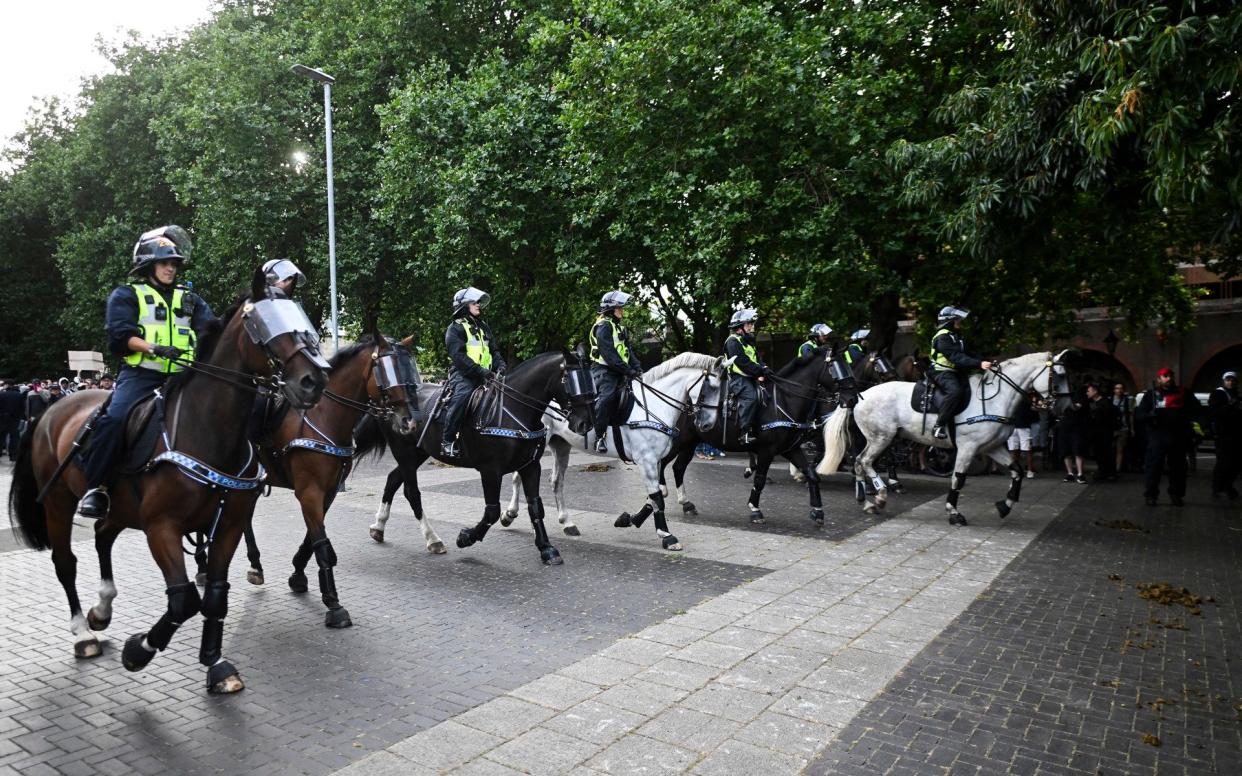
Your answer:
<point x="892" y="644"/>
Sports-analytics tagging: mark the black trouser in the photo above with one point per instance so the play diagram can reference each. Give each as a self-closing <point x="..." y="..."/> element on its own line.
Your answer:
<point x="747" y="393"/>
<point x="1105" y="455"/>
<point x="108" y="434"/>
<point x="9" y="437"/>
<point x="608" y="384"/>
<point x="1227" y="459"/>
<point x="459" y="387"/>
<point x="1165" y="455"/>
<point x="954" y="393"/>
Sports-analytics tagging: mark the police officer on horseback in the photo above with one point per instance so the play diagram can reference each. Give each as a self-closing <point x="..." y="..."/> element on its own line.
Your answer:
<point x="820" y="334"/>
<point x="611" y="362"/>
<point x="153" y="324"/>
<point x="475" y="359"/>
<point x="857" y="349"/>
<point x="284" y="276"/>
<point x="747" y="370"/>
<point x="949" y="355"/>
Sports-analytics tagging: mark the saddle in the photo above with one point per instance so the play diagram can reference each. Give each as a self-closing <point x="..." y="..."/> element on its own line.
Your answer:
<point x="143" y="426"/>
<point x="926" y="397"/>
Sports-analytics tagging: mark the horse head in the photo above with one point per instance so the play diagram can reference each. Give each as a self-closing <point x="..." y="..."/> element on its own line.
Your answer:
<point x="393" y="381"/>
<point x="578" y="389"/>
<point x="707" y="395"/>
<point x="280" y="342"/>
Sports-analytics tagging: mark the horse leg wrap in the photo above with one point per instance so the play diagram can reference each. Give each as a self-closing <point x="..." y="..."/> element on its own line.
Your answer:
<point x="1016" y="474"/>
<point x="215" y="607"/>
<point x="468" y="536"/>
<point x="303" y="555"/>
<point x="950" y="503"/>
<point x="325" y="556"/>
<point x="535" y="509"/>
<point x="183" y="603"/>
<point x="644" y="513"/>
<point x="958" y="482"/>
<point x="756" y="490"/>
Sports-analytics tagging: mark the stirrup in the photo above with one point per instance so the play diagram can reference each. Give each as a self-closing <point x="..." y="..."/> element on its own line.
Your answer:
<point x="94" y="504"/>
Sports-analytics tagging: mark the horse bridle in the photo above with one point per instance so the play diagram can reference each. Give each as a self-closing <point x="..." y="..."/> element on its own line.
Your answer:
<point x="1044" y="398"/>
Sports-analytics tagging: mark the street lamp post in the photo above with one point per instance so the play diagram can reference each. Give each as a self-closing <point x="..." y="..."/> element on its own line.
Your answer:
<point x="327" y="81"/>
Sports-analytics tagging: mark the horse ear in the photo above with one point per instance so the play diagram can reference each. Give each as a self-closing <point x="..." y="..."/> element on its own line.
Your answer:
<point x="258" y="285"/>
<point x="405" y="343"/>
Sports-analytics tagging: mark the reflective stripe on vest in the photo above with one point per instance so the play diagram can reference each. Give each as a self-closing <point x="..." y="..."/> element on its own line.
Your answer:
<point x="618" y="341"/>
<point x="749" y="350"/>
<point x="477" y="349"/>
<point x="939" y="360"/>
<point x="852" y="352"/>
<point x="160" y="327"/>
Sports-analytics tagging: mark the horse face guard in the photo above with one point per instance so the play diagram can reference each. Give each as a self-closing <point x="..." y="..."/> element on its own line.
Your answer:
<point x="838" y="370"/>
<point x="882" y="367"/>
<point x="273" y="317"/>
<point x="396" y="378"/>
<point x="579" y="386"/>
<point x="706" y="395"/>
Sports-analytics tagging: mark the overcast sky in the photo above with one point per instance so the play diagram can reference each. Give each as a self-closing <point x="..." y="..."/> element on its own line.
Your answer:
<point x="48" y="46"/>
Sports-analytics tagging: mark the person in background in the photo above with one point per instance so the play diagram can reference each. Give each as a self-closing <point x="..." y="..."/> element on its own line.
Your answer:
<point x="1167" y="413"/>
<point x="12" y="413"/>
<point x="1071" y="438"/>
<point x="1020" y="439"/>
<point x="106" y="382"/>
<point x="1125" y="425"/>
<point x="1101" y="428"/>
<point x="1226" y="417"/>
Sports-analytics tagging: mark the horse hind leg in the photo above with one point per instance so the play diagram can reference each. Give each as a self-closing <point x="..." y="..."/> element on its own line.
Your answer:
<point x="1016" y="474"/>
<point x="511" y="511"/>
<point x="59" y="530"/>
<point x="394" y="481"/>
<point x="865" y="467"/>
<point x="560" y="464"/>
<point x="99" y="616"/>
<point x="254" y="575"/>
<point x="667" y="540"/>
<point x="679" y="481"/>
<point x="956" y="482"/>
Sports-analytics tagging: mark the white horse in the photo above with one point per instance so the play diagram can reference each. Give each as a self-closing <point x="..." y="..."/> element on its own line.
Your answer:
<point x="689" y="384"/>
<point x="560" y="440"/>
<point x="982" y="428"/>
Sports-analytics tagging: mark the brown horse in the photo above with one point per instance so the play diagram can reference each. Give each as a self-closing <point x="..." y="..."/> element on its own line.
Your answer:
<point x="202" y="476"/>
<point x="312" y="451"/>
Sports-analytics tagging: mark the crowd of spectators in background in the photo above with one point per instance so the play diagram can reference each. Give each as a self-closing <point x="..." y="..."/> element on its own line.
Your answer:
<point x="22" y="404"/>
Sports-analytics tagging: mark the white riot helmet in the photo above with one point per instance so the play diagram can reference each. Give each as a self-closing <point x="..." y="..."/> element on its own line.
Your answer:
<point x="278" y="270"/>
<point x="468" y="295"/>
<point x="742" y="317"/>
<point x="821" y="330"/>
<point x="613" y="300"/>
<point x="860" y="335"/>
<point x="950" y="313"/>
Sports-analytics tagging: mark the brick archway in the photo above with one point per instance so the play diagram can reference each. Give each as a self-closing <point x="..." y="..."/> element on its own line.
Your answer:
<point x="1207" y="373"/>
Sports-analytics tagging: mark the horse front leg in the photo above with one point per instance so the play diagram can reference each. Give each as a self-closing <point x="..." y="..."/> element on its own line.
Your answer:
<point x="534" y="506"/>
<point x="756" y="489"/>
<point x="957" y="481"/>
<point x="511" y="511"/>
<point x="99" y="617"/>
<point x="491" y="512"/>
<point x="394" y="481"/>
<point x="222" y="676"/>
<point x="314" y="501"/>
<point x="798" y="460"/>
<point x="1017" y="473"/>
<point x="560" y="465"/>
<point x="683" y="459"/>
<point x="164" y="540"/>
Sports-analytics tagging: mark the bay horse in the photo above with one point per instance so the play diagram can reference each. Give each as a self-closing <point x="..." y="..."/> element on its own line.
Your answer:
<point x="311" y="451"/>
<point x="885" y="412"/>
<point x="503" y="434"/>
<point x="202" y="476"/>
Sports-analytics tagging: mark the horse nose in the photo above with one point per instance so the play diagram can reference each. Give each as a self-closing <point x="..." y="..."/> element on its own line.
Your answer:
<point x="309" y="384"/>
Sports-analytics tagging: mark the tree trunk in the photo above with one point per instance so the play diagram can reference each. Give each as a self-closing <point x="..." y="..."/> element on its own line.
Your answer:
<point x="885" y="315"/>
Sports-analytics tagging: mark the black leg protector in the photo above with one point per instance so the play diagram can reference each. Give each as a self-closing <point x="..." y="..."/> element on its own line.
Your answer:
<point x="952" y="499"/>
<point x="67" y="573"/>
<point x="183" y="603"/>
<point x="1016" y="473"/>
<point x="756" y="490"/>
<point x="297" y="580"/>
<point x="547" y="553"/>
<point x="667" y="540"/>
<point x="653" y="499"/>
<point x="468" y="536"/>
<point x="215" y="607"/>
<point x="252" y="550"/>
<point x="325" y="556"/>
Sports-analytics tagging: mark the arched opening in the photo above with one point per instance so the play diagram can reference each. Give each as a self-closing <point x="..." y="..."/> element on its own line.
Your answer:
<point x="1208" y="376"/>
<point x="1094" y="366"/>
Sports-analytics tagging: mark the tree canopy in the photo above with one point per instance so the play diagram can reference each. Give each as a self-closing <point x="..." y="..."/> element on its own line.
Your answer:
<point x="833" y="160"/>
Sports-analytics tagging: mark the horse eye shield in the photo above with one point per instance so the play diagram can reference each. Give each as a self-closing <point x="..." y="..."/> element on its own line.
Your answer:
<point x="267" y="319"/>
<point x="396" y="368"/>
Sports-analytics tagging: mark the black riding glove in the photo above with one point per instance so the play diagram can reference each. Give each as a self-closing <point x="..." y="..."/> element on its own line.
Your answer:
<point x="168" y="351"/>
<point x="633" y="374"/>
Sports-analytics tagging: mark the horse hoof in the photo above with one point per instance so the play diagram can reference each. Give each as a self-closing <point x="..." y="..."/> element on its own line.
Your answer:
<point x="689" y="508"/>
<point x="255" y="576"/>
<point x="623" y="521"/>
<point x="85" y="650"/>
<point x="509" y="517"/>
<point x="817" y="515"/>
<point x="200" y="579"/>
<point x="465" y="538"/>
<point x="572" y="530"/>
<point x="957" y="519"/>
<point x="223" y="679"/>
<point x="337" y="618"/>
<point x="377" y="535"/>
<point x="96" y="623"/>
<point x="746" y="474"/>
<point x="671" y="543"/>
<point x="870" y="509"/>
<point x="297" y="582"/>
<point x="551" y="557"/>
<point x="1003" y="508"/>
<point x="896" y="487"/>
<point x="134" y="656"/>
<point x="436" y="548"/>
<point x="756" y="518"/>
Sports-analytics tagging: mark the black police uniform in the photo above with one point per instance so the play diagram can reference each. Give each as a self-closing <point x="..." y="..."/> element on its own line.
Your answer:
<point x="745" y="386"/>
<point x="1226" y="414"/>
<point x="465" y="375"/>
<point x="610" y="375"/>
<point x="953" y="384"/>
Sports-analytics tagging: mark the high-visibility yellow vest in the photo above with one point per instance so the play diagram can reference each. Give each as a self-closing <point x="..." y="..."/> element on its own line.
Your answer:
<point x="162" y="326"/>
<point x="749" y="350"/>
<point x="807" y="347"/>
<point x="852" y="352"/>
<point x="477" y="349"/>
<point x="939" y="360"/>
<point x="618" y="341"/>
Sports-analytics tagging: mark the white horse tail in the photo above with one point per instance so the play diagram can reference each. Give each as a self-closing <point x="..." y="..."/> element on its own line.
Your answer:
<point x="836" y="439"/>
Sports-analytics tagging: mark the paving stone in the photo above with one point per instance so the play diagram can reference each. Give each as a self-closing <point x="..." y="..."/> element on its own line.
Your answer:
<point x="386" y="764"/>
<point x="690" y="729"/>
<point x="733" y="757"/>
<point x="556" y="691"/>
<point x="642" y="697"/>
<point x="729" y="702"/>
<point x="595" y="721"/>
<point x="505" y="716"/>
<point x="642" y="756"/>
<point x="815" y="706"/>
<point x="681" y="674"/>
<point x="447" y="745"/>
<point x="786" y="734"/>
<point x="600" y="670"/>
<point x="543" y="752"/>
<point x="711" y="654"/>
<point x="640" y="652"/>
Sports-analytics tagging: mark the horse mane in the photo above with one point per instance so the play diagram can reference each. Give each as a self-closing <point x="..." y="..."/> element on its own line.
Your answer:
<point x="206" y="345"/>
<point x="342" y="356"/>
<point x="1026" y="358"/>
<point x="533" y="360"/>
<point x="680" y="361"/>
<point x="798" y="362"/>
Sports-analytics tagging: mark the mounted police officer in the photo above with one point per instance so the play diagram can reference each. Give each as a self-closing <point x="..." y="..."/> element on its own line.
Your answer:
<point x="857" y="349"/>
<point x="611" y="362"/>
<point x="747" y="370"/>
<point x="284" y="276"/>
<point x="820" y="334"/>
<point x="475" y="357"/>
<point x="153" y="324"/>
<point x="948" y="356"/>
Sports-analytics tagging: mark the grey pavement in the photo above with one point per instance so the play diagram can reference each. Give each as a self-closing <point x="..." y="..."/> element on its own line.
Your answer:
<point x="771" y="649"/>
